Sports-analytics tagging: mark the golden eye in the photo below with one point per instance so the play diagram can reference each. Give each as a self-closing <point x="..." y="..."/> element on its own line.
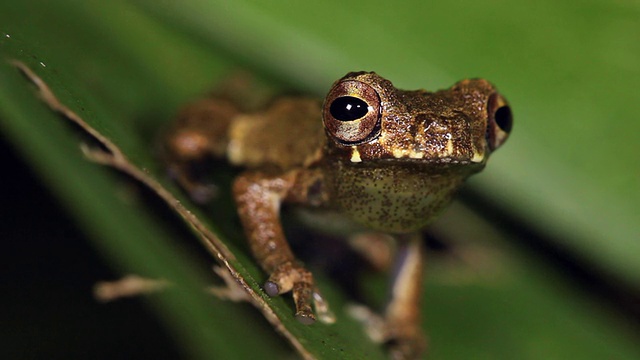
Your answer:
<point x="499" y="122"/>
<point x="351" y="112"/>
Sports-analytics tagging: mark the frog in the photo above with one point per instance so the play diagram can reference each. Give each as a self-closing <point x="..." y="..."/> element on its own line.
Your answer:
<point x="386" y="159"/>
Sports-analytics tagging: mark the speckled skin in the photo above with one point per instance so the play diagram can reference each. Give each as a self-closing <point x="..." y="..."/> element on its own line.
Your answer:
<point x="391" y="197"/>
<point x="391" y="168"/>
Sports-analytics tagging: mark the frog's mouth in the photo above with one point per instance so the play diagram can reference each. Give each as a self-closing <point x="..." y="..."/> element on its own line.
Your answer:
<point x="439" y="165"/>
<point x="432" y="161"/>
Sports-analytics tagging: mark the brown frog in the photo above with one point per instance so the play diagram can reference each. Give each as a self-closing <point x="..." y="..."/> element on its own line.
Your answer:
<point x="388" y="159"/>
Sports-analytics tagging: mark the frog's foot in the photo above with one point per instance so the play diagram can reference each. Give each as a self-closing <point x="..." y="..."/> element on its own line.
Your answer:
<point x="200" y="193"/>
<point x="404" y="340"/>
<point x="406" y="343"/>
<point x="291" y="277"/>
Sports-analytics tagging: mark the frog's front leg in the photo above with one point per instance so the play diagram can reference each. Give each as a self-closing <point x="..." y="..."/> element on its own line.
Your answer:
<point x="199" y="135"/>
<point x="259" y="196"/>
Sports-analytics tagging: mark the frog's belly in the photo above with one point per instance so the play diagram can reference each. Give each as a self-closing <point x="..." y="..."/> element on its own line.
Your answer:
<point x="327" y="221"/>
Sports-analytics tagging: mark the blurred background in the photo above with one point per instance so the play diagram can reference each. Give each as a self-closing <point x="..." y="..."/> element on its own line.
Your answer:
<point x="549" y="233"/>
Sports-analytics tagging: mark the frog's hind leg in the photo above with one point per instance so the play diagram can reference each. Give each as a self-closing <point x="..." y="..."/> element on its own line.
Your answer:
<point x="402" y="315"/>
<point x="376" y="248"/>
<point x="199" y="135"/>
<point x="400" y="324"/>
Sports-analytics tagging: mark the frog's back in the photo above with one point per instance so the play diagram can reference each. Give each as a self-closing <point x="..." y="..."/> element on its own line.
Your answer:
<point x="288" y="134"/>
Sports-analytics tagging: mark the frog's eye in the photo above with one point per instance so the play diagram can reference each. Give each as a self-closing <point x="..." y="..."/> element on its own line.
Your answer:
<point x="500" y="121"/>
<point x="352" y="112"/>
<point x="348" y="108"/>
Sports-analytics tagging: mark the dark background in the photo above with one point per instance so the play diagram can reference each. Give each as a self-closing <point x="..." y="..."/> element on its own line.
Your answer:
<point x="46" y="283"/>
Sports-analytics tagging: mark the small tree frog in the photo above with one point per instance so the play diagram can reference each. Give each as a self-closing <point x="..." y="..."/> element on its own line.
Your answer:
<point x="387" y="159"/>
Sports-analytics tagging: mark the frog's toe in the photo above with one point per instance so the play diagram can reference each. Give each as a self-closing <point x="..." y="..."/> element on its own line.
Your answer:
<point x="271" y="288"/>
<point x="281" y="280"/>
<point x="290" y="277"/>
<point x="306" y="318"/>
<point x="302" y="296"/>
<point x="323" y="312"/>
<point x="203" y="193"/>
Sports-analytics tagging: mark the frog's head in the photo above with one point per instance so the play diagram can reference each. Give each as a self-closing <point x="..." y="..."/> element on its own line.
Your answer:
<point x="366" y="118"/>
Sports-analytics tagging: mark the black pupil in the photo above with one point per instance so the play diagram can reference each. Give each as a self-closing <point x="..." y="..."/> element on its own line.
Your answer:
<point x="348" y="108"/>
<point x="504" y="118"/>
